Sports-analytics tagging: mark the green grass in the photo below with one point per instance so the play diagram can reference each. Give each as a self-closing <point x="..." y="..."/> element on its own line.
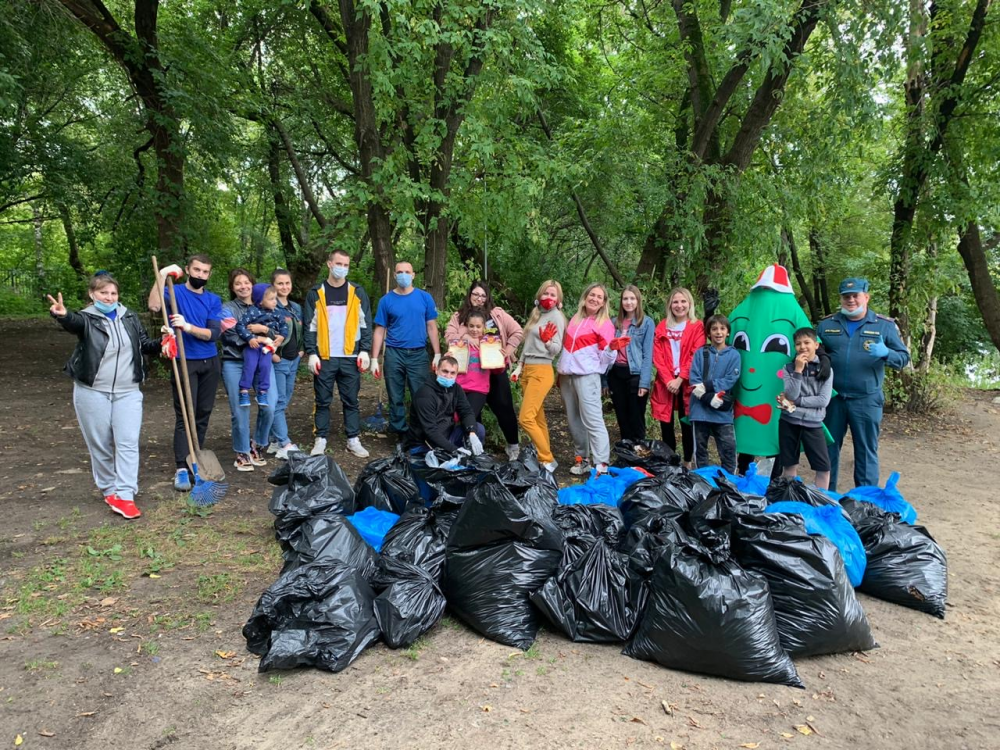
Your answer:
<point x="413" y="652"/>
<point x="37" y="665"/>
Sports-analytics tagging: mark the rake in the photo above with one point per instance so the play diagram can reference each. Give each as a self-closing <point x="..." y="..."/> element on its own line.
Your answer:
<point x="205" y="491"/>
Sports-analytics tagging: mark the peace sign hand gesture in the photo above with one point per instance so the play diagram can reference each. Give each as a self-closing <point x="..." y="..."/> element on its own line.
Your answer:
<point x="58" y="308"/>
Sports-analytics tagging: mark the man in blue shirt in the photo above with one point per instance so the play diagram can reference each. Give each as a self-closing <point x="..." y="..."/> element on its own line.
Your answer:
<point x="405" y="319"/>
<point x="199" y="320"/>
<point x="860" y="344"/>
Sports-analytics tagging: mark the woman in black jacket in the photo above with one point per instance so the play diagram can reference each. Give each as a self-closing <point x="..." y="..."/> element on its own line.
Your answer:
<point x="107" y="368"/>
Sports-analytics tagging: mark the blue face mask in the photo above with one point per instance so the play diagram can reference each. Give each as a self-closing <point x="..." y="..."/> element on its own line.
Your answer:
<point x="404" y="280"/>
<point x="105" y="307"/>
<point x="445" y="382"/>
<point x="856" y="315"/>
<point x="339" y="272"/>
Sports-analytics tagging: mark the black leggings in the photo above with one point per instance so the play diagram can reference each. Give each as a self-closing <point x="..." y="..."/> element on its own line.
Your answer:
<point x="204" y="377"/>
<point x="501" y="403"/>
<point x="630" y="407"/>
<point x="667" y="429"/>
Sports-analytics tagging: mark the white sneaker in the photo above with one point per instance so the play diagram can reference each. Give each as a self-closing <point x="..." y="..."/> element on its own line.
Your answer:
<point x="282" y="453"/>
<point x="513" y="451"/>
<point x="273" y="447"/>
<point x="581" y="467"/>
<point x="601" y="469"/>
<point x="319" y="447"/>
<point x="354" y="446"/>
<point x="551" y="466"/>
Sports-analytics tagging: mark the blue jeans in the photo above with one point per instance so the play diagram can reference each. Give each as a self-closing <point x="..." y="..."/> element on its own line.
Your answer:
<point x="232" y="369"/>
<point x="284" y="385"/>
<point x="403" y="368"/>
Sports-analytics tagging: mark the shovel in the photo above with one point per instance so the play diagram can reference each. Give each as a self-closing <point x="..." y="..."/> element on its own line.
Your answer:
<point x="208" y="465"/>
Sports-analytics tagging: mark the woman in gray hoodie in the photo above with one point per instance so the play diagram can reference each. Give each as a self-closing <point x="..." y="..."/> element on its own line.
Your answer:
<point x="107" y="368"/>
<point x="803" y="406"/>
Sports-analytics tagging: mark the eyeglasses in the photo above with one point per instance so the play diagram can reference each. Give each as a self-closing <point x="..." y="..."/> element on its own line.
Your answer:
<point x="478" y="295"/>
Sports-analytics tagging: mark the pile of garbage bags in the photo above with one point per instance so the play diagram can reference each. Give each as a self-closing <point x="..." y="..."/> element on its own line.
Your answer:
<point x="697" y="571"/>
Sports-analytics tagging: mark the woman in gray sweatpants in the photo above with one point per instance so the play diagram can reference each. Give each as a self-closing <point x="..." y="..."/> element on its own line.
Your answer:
<point x="107" y="368"/>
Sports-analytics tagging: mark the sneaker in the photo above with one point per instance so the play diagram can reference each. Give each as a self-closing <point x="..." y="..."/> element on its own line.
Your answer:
<point x="182" y="481"/>
<point x="551" y="466"/>
<point x="262" y="398"/>
<point x="273" y="447"/>
<point x="124" y="508"/>
<point x="319" y="447"/>
<point x="354" y="446"/>
<point x="580" y="467"/>
<point x="245" y="399"/>
<point x="600" y="469"/>
<point x="513" y="451"/>
<point x="256" y="455"/>
<point x="243" y="462"/>
<point x="282" y="453"/>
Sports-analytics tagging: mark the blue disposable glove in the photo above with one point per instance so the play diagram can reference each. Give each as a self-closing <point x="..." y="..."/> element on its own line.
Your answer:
<point x="878" y="349"/>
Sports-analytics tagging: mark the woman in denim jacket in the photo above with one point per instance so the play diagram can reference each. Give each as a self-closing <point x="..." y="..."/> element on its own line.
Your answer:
<point x="629" y="376"/>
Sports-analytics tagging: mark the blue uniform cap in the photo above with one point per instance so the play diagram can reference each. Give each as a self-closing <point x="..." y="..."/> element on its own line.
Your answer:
<point x="853" y="284"/>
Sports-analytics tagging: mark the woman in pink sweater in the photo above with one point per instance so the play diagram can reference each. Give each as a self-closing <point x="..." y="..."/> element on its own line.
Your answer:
<point x="498" y="323"/>
<point x="589" y="348"/>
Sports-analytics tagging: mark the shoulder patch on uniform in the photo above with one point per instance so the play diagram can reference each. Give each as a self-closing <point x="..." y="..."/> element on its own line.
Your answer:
<point x="826" y="317"/>
<point x="884" y="317"/>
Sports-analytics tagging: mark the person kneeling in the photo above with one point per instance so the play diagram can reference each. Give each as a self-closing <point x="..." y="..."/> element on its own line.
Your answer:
<point x="432" y="413"/>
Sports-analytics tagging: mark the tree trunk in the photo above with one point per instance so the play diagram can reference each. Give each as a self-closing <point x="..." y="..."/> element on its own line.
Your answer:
<point x="36" y="220"/>
<point x="820" y="285"/>
<point x="788" y="239"/>
<point x="970" y="247"/>
<point x="286" y="224"/>
<point x="74" y="248"/>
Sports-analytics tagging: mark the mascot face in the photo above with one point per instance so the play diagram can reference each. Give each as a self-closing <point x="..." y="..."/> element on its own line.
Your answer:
<point x="763" y="326"/>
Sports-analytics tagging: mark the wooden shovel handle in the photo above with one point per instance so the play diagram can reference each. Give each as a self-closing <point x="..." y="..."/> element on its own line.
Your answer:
<point x="192" y="436"/>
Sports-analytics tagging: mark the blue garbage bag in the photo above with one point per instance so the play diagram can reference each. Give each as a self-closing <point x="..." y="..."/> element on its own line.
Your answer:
<point x="606" y="489"/>
<point x="830" y="521"/>
<point x="753" y="483"/>
<point x="711" y="472"/>
<point x="888" y="498"/>
<point x="373" y="524"/>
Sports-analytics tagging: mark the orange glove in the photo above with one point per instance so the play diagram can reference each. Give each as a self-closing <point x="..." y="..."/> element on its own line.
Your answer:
<point x="620" y="343"/>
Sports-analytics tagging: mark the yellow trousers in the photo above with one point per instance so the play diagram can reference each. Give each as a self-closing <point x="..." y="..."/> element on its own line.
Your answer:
<point x="536" y="382"/>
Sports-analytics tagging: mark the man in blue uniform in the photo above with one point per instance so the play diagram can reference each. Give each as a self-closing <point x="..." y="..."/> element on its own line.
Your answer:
<point x="860" y="343"/>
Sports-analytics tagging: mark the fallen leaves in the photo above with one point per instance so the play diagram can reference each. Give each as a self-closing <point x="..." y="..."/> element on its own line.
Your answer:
<point x="751" y="745"/>
<point x="668" y="708"/>
<point x="225" y="654"/>
<point x="18" y="741"/>
<point x="46" y="733"/>
<point x="803" y="729"/>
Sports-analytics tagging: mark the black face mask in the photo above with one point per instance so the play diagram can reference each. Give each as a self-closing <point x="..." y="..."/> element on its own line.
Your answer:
<point x="196" y="283"/>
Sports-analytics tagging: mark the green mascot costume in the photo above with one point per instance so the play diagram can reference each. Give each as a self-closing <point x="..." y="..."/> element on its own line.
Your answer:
<point x="763" y="326"/>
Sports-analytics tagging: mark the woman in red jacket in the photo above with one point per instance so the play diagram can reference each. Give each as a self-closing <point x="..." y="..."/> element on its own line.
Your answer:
<point x="677" y="338"/>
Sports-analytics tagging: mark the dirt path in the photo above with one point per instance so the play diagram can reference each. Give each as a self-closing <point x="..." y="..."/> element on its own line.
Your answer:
<point x="118" y="635"/>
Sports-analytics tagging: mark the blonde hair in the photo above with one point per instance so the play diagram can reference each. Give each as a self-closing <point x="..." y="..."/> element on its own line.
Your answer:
<point x="686" y="293"/>
<point x="537" y="312"/>
<point x="639" y="314"/>
<point x="603" y="315"/>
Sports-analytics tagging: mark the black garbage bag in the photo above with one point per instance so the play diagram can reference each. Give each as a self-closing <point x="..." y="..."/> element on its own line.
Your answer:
<point x="677" y="491"/>
<point x="644" y="542"/>
<point x="592" y="598"/>
<point x="905" y="565"/>
<point x="420" y="536"/>
<point x="386" y="484"/>
<point x="712" y="617"/>
<point x="453" y="483"/>
<point x="319" y="615"/>
<point x="307" y="485"/>
<point x="791" y="489"/>
<point x="330" y="537"/>
<point x="500" y="550"/>
<point x="410" y="603"/>
<point x="654" y="456"/>
<point x="814" y="603"/>
<point x="526" y="479"/>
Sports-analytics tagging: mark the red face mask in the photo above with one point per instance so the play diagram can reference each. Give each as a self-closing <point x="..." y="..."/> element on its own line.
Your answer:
<point x="547" y="304"/>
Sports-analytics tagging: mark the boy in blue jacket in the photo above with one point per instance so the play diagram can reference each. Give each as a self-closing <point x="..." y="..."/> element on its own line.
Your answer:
<point x="715" y="370"/>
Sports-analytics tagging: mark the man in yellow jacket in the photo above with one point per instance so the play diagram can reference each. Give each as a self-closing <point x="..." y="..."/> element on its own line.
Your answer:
<point x="338" y="339"/>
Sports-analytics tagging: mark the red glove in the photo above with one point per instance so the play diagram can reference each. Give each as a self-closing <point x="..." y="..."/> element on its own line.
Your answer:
<point x="618" y="344"/>
<point x="548" y="333"/>
<point x="168" y="346"/>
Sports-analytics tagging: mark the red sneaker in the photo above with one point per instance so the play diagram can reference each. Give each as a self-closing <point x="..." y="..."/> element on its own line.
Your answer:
<point x="124" y="508"/>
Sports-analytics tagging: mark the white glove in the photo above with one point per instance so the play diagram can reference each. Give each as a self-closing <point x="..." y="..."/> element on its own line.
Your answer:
<point x="475" y="444"/>
<point x="716" y="401"/>
<point x="434" y="367"/>
<point x="363" y="361"/>
<point x="375" y="369"/>
<point x="516" y="375"/>
<point x="177" y="321"/>
<point x="314" y="364"/>
<point x="166" y="329"/>
<point x="699" y="390"/>
<point x="172" y="270"/>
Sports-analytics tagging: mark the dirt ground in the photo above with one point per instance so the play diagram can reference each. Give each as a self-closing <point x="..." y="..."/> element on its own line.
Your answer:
<point x="118" y="634"/>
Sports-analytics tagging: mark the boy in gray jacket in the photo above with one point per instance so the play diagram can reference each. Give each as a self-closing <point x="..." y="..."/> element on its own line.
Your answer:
<point x="803" y="407"/>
